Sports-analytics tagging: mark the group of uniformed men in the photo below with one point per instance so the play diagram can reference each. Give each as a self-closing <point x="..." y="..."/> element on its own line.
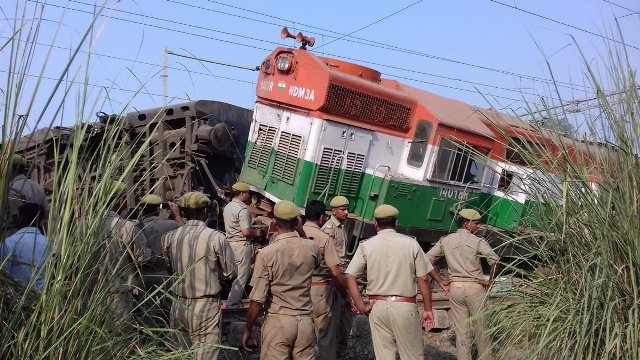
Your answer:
<point x="302" y="280"/>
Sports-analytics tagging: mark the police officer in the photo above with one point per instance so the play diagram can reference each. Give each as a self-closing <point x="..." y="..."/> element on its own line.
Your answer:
<point x="126" y="250"/>
<point x="327" y="290"/>
<point x="23" y="190"/>
<point x="198" y="257"/>
<point x="155" y="272"/>
<point x="463" y="251"/>
<point x="392" y="263"/>
<point x="334" y="227"/>
<point x="282" y="285"/>
<point x="237" y="225"/>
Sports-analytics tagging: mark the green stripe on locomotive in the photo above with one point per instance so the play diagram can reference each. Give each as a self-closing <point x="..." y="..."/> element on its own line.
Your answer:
<point x="421" y="206"/>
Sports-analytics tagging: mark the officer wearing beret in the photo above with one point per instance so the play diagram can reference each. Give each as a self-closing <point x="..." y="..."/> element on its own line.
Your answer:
<point x="327" y="290"/>
<point x="155" y="272"/>
<point x="282" y="285"/>
<point x="463" y="251"/>
<point x="22" y="190"/>
<point x="237" y="225"/>
<point x="392" y="264"/>
<point x="126" y="250"/>
<point x="334" y="227"/>
<point x="197" y="257"/>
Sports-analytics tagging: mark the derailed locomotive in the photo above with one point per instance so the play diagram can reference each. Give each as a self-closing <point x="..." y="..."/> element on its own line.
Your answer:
<point x="325" y="127"/>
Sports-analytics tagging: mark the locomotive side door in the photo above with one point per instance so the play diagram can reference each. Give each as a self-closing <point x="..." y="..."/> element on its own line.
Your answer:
<point x="340" y="161"/>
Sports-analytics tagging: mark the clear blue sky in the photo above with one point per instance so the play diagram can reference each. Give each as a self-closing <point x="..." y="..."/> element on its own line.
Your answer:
<point x="456" y="48"/>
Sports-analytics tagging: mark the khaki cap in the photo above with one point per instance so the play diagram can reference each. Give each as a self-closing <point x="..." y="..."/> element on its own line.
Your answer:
<point x="470" y="214"/>
<point x="286" y="210"/>
<point x="385" y="211"/>
<point x="151" y="199"/>
<point x="240" y="186"/>
<point x="18" y="160"/>
<point x="193" y="200"/>
<point x="339" y="201"/>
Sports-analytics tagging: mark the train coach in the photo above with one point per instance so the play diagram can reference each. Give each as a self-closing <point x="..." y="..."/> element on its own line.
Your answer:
<point x="324" y="127"/>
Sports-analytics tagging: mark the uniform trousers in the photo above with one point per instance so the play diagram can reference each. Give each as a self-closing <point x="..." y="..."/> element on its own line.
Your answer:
<point x="396" y="327"/>
<point x="345" y="324"/>
<point x="198" y="324"/>
<point x="326" y="318"/>
<point x="466" y="302"/>
<point x="287" y="337"/>
<point x="243" y="252"/>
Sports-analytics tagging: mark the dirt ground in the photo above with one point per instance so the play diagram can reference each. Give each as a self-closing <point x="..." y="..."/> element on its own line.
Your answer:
<point x="438" y="345"/>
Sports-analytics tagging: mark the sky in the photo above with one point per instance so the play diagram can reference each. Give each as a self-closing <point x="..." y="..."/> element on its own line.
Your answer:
<point x="488" y="53"/>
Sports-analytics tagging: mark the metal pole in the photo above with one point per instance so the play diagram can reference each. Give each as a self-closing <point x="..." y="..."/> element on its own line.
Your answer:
<point x="165" y="76"/>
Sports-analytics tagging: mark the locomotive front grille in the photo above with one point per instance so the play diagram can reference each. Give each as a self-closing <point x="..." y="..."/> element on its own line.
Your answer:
<point x="371" y="109"/>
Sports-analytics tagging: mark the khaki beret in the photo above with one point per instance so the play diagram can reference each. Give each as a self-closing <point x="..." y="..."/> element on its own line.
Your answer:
<point x="470" y="214"/>
<point x="118" y="187"/>
<point x="339" y="201"/>
<point x="240" y="186"/>
<point x="151" y="199"/>
<point x="193" y="200"/>
<point x="385" y="211"/>
<point x="286" y="210"/>
<point x="18" y="160"/>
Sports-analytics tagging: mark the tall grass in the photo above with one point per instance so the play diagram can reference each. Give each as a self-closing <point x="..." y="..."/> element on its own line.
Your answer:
<point x="71" y="318"/>
<point x="585" y="301"/>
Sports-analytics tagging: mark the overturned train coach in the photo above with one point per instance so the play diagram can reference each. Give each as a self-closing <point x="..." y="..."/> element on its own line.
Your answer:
<point x="196" y="145"/>
<point x="324" y="127"/>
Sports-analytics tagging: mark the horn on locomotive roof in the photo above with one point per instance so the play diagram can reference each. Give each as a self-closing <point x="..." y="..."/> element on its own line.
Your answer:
<point x="300" y="38"/>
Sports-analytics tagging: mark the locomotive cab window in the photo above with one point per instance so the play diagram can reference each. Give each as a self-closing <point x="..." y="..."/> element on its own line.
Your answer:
<point x="460" y="163"/>
<point x="418" y="148"/>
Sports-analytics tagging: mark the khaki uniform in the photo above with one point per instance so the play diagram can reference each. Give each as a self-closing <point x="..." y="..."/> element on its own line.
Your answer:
<point x="198" y="257"/>
<point x="392" y="262"/>
<point x="22" y="190"/>
<point x="125" y="251"/>
<point x="236" y="218"/>
<point x="326" y="301"/>
<point x="336" y="231"/>
<point x="463" y="251"/>
<point x="155" y="273"/>
<point x="282" y="283"/>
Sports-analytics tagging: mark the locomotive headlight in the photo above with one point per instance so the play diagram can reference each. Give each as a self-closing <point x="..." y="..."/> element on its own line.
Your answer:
<point x="283" y="63"/>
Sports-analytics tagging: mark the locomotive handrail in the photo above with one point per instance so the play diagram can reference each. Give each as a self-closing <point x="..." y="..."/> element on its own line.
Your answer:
<point x="333" y="167"/>
<point x="366" y="203"/>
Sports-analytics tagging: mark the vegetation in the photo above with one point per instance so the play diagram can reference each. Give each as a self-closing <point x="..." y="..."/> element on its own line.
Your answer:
<point x="584" y="300"/>
<point x="72" y="317"/>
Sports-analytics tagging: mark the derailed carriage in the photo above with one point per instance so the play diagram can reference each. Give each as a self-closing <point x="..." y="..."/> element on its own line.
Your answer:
<point x="196" y="145"/>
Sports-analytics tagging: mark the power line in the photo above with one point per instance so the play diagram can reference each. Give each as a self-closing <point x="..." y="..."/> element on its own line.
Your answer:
<point x="564" y="24"/>
<point x="366" y="42"/>
<point x="622" y="7"/>
<point x="142" y="62"/>
<point x="369" y="25"/>
<point x="107" y="89"/>
<point x="333" y="55"/>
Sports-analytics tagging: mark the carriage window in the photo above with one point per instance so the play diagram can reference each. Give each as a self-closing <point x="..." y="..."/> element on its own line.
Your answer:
<point x="419" y="144"/>
<point x="460" y="163"/>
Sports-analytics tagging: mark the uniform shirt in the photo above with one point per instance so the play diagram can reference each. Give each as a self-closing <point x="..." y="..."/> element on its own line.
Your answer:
<point x="463" y="251"/>
<point x="198" y="257"/>
<point x="392" y="263"/>
<point x="23" y="188"/>
<point x="24" y="254"/>
<point x="125" y="251"/>
<point x="154" y="228"/>
<point x="282" y="275"/>
<point x="236" y="218"/>
<point x="327" y="250"/>
<point x="335" y="229"/>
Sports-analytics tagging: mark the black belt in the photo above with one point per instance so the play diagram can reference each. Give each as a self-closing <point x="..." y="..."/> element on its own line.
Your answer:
<point x="199" y="297"/>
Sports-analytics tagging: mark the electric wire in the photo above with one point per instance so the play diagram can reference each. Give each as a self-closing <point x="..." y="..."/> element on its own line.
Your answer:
<point x="565" y="24"/>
